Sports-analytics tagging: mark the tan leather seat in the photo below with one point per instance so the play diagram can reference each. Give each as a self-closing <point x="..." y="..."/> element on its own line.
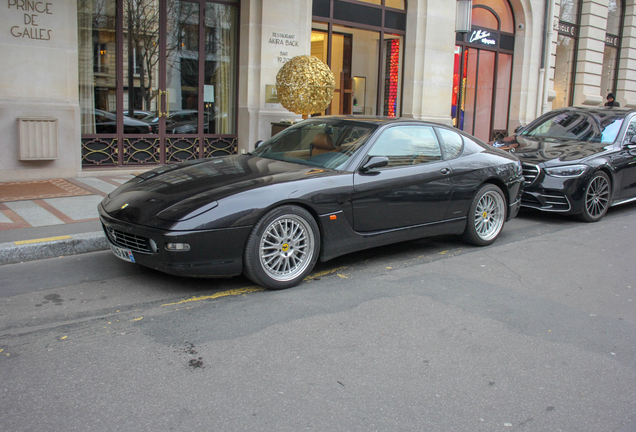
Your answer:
<point x="322" y="143"/>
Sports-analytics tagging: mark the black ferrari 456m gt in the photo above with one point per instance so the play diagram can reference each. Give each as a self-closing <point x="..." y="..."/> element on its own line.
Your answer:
<point x="577" y="161"/>
<point x="322" y="188"/>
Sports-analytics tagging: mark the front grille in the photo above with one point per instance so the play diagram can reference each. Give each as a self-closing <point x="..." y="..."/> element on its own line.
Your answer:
<point x="530" y="173"/>
<point x="127" y="241"/>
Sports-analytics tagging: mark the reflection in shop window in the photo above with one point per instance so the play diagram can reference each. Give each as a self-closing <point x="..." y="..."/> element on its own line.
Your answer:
<point x="221" y="62"/>
<point x="569" y="11"/>
<point x="96" y="61"/>
<point x="612" y="45"/>
<point x="563" y="71"/>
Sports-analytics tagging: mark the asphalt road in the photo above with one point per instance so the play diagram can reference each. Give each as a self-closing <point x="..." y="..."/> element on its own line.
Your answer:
<point x="536" y="332"/>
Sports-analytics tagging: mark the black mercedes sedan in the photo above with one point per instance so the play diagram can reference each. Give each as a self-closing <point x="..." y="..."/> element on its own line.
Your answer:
<point x="322" y="188"/>
<point x="577" y="161"/>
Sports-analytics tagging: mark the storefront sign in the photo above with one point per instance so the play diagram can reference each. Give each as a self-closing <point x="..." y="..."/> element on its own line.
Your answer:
<point x="30" y="15"/>
<point x="284" y="40"/>
<point x="484" y="37"/>
<point x="271" y="95"/>
<point x="611" y="40"/>
<point x="567" y="29"/>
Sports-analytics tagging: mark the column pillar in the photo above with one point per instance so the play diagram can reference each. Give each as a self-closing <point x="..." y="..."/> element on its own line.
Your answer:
<point x="626" y="86"/>
<point x="428" y="60"/>
<point x="589" y="62"/>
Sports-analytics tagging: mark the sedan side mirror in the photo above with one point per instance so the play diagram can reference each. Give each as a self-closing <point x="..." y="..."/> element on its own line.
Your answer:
<point x="374" y="162"/>
<point x="258" y="143"/>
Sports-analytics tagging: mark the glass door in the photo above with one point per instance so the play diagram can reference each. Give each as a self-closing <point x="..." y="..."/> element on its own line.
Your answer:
<point x="174" y="94"/>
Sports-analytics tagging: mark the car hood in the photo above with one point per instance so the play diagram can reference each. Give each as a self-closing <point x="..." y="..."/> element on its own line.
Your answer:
<point x="550" y="151"/>
<point x="183" y="191"/>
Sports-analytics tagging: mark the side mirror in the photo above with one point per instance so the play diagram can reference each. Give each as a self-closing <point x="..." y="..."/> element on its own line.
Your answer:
<point x="374" y="162"/>
<point x="258" y="143"/>
<point x="518" y="129"/>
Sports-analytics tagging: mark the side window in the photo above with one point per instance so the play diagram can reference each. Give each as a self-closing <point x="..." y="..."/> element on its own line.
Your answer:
<point x="452" y="143"/>
<point x="631" y="131"/>
<point x="407" y="145"/>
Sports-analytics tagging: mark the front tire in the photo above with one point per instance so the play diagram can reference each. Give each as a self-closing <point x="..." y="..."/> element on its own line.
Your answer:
<point x="597" y="198"/>
<point x="486" y="216"/>
<point x="282" y="248"/>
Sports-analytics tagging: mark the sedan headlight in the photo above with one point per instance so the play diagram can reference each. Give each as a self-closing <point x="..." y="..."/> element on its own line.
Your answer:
<point x="566" y="171"/>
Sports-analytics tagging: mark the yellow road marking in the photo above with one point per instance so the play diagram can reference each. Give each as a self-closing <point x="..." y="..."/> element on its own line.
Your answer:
<point x="136" y="319"/>
<point x="323" y="273"/>
<point x="234" y="292"/>
<point x="247" y="290"/>
<point x="42" y="240"/>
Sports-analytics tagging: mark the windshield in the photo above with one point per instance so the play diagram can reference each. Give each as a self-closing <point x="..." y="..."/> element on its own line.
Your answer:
<point x="578" y="126"/>
<point x="324" y="143"/>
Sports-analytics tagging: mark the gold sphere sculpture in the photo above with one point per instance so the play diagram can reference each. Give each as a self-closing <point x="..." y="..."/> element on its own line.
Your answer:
<point x="305" y="85"/>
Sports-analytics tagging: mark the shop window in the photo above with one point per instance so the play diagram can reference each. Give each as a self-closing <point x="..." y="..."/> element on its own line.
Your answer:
<point x="365" y="57"/>
<point x="396" y="4"/>
<point x="502" y="10"/>
<point x="612" y="46"/>
<point x="483" y="71"/>
<point x="171" y="83"/>
<point x="484" y="18"/>
<point x="564" y="67"/>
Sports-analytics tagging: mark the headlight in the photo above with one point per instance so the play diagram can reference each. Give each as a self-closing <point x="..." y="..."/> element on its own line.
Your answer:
<point x="566" y="171"/>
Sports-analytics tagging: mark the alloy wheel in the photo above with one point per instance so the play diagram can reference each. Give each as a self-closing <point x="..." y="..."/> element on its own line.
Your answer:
<point x="286" y="248"/>
<point x="597" y="197"/>
<point x="489" y="215"/>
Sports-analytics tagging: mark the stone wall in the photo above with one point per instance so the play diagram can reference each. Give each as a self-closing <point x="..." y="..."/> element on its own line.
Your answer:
<point x="39" y="78"/>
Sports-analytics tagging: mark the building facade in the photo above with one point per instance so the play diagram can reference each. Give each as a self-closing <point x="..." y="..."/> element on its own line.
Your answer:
<point x="94" y="85"/>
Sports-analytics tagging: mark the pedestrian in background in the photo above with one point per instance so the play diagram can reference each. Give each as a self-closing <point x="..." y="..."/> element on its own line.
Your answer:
<point x="611" y="101"/>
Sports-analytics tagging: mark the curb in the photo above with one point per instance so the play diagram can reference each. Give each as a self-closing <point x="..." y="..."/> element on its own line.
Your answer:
<point x="10" y="253"/>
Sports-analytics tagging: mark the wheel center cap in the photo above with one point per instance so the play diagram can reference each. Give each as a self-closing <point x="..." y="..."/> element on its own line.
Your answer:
<point x="285" y="247"/>
<point x="485" y="215"/>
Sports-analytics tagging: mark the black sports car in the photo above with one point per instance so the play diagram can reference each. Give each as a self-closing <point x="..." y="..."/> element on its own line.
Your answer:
<point x="322" y="188"/>
<point x="577" y="160"/>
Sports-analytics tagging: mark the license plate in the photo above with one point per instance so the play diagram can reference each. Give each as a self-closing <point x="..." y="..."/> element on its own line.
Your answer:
<point x="125" y="254"/>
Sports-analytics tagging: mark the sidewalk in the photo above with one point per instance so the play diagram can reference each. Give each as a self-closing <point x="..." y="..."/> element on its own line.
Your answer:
<point x="51" y="218"/>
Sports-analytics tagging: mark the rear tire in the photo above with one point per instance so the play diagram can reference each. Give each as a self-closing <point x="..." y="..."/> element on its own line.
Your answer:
<point x="282" y="248"/>
<point x="597" y="197"/>
<point x="486" y="216"/>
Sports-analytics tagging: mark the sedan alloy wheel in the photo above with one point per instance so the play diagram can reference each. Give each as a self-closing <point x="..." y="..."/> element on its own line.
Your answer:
<point x="597" y="196"/>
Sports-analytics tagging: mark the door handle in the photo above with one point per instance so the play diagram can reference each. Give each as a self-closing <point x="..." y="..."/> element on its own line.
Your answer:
<point x="445" y="171"/>
<point x="160" y="93"/>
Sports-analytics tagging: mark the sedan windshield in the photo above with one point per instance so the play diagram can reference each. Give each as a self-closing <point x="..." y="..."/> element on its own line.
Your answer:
<point x="577" y="126"/>
<point x="324" y="143"/>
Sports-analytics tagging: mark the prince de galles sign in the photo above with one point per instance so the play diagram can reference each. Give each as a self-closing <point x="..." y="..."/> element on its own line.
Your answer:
<point x="484" y="38"/>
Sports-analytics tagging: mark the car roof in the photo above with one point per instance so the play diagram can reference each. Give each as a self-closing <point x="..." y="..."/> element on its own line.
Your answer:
<point x="375" y="119"/>
<point x="601" y="111"/>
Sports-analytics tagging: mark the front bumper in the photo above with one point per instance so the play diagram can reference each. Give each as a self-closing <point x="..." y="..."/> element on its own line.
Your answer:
<point x="556" y="194"/>
<point x="212" y="253"/>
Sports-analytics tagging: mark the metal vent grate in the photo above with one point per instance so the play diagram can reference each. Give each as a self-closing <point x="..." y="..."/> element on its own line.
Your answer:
<point x="127" y="241"/>
<point x="38" y="138"/>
